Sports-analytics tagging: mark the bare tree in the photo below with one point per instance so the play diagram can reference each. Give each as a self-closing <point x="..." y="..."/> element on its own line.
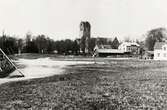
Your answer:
<point x="155" y="35"/>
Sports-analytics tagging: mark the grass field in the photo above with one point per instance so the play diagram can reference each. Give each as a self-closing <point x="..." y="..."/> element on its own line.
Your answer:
<point x="113" y="85"/>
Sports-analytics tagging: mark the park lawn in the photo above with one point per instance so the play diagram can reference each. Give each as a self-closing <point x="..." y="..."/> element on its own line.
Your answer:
<point x="115" y="84"/>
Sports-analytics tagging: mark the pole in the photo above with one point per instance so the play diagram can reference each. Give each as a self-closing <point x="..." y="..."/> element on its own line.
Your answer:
<point x="11" y="62"/>
<point x="94" y="57"/>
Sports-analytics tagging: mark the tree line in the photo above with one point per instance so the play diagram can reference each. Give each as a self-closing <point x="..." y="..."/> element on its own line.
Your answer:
<point x="45" y="45"/>
<point x="31" y="44"/>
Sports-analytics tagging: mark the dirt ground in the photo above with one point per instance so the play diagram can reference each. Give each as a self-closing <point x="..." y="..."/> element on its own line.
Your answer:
<point x="107" y="85"/>
<point x="39" y="67"/>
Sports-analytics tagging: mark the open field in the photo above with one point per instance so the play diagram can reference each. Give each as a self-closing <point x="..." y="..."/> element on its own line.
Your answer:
<point x="108" y="85"/>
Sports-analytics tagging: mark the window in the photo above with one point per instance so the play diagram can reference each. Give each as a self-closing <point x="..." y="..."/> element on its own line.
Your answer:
<point x="164" y="48"/>
<point x="158" y="55"/>
<point x="164" y="54"/>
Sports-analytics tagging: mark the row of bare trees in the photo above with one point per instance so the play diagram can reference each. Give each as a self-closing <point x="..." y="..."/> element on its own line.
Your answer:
<point x="37" y="44"/>
<point x="31" y="44"/>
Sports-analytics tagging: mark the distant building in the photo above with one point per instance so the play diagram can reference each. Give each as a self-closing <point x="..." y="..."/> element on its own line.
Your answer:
<point x="106" y="50"/>
<point x="148" y="55"/>
<point x="130" y="47"/>
<point x="160" y="51"/>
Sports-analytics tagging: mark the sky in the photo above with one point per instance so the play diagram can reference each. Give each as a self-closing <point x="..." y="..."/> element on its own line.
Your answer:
<point x="60" y="19"/>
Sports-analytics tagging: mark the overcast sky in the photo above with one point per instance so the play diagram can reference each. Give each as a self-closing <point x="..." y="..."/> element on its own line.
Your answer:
<point x="60" y="19"/>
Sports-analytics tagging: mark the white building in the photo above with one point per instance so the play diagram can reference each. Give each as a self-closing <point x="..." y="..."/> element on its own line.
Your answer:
<point x="131" y="47"/>
<point x="160" y="51"/>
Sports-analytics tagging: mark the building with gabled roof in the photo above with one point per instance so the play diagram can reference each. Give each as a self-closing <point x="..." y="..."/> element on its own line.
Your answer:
<point x="160" y="51"/>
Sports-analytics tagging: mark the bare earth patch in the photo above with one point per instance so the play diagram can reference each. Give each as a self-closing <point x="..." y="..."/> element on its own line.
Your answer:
<point x="40" y="67"/>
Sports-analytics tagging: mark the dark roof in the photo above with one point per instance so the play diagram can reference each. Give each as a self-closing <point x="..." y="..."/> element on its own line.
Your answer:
<point x="158" y="45"/>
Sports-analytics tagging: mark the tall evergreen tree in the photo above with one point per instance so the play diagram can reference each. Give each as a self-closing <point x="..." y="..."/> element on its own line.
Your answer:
<point x="115" y="43"/>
